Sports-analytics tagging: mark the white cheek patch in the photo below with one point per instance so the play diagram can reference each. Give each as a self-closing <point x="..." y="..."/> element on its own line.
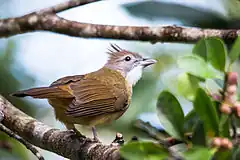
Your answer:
<point x="134" y="75"/>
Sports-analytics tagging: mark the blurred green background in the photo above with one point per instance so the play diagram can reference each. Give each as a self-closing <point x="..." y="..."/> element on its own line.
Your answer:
<point x="37" y="59"/>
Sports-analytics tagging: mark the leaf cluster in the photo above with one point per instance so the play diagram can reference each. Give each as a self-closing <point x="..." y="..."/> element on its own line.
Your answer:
<point x="210" y="60"/>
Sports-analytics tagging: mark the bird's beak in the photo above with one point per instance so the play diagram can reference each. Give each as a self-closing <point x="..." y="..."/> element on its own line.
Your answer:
<point x="147" y="62"/>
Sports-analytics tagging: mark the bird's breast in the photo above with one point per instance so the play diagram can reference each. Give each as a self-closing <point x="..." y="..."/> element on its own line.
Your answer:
<point x="134" y="75"/>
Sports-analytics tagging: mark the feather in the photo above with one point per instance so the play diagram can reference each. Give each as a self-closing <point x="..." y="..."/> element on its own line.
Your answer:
<point x="134" y="75"/>
<point x="97" y="94"/>
<point x="58" y="89"/>
<point x="44" y="92"/>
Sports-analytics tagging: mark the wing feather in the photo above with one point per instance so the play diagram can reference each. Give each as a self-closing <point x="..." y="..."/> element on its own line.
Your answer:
<point x="67" y="79"/>
<point x="92" y="97"/>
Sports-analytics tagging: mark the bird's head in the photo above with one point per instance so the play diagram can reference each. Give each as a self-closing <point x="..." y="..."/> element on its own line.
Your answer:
<point x="129" y="64"/>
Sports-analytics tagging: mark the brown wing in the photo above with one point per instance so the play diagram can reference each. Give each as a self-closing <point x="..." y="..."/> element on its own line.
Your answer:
<point x="58" y="89"/>
<point x="67" y="79"/>
<point x="94" y="97"/>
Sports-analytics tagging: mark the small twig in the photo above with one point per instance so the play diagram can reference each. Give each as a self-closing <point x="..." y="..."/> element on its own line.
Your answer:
<point x="161" y="138"/>
<point x="224" y="89"/>
<point x="149" y="129"/>
<point x="173" y="141"/>
<point x="236" y="141"/>
<point x="234" y="127"/>
<point x="118" y="139"/>
<point x="228" y="102"/>
<point x="66" y="5"/>
<point x="1" y="111"/>
<point x="3" y="144"/>
<point x="21" y="140"/>
<point x="134" y="138"/>
<point x="1" y="115"/>
<point x="152" y="132"/>
<point x="175" y="155"/>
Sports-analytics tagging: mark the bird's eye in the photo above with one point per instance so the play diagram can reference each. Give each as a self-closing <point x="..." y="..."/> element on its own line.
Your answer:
<point x="127" y="58"/>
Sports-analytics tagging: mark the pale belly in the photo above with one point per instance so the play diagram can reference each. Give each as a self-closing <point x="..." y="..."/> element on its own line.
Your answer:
<point x="100" y="119"/>
<point x="60" y="109"/>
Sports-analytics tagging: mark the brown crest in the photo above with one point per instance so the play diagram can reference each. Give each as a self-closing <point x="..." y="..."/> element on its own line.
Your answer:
<point x="116" y="51"/>
<point x="114" y="48"/>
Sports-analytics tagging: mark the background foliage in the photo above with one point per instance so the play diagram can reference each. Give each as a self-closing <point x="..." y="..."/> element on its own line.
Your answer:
<point x="209" y="58"/>
<point x="209" y="123"/>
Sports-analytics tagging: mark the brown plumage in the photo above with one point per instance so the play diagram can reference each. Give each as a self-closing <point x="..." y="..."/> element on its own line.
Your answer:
<point x="94" y="98"/>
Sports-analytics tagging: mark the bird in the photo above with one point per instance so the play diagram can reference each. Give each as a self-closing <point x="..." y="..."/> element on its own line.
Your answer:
<point x="98" y="97"/>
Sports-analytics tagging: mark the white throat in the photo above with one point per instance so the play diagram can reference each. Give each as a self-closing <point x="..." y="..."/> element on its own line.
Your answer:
<point x="134" y="75"/>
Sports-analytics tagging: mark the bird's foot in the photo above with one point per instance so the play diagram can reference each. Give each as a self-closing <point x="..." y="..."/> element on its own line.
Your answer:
<point x="77" y="134"/>
<point x="96" y="139"/>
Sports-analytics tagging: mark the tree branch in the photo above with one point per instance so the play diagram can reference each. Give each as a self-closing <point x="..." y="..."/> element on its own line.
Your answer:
<point x="21" y="140"/>
<point x="47" y="20"/>
<point x="150" y="130"/>
<point x="66" y="5"/>
<point x="156" y="134"/>
<point x="51" y="22"/>
<point x="64" y="143"/>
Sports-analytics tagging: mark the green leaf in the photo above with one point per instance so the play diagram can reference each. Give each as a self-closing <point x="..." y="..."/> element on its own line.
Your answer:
<point x="237" y="121"/>
<point x="216" y="53"/>
<point x="190" y="120"/>
<point x="17" y="149"/>
<point x="212" y="50"/>
<point x="206" y="112"/>
<point x="196" y="66"/>
<point x="223" y="154"/>
<point x="212" y="86"/>
<point x="143" y="151"/>
<point x="170" y="114"/>
<point x="219" y="82"/>
<point x="190" y="83"/>
<point x="200" y="49"/>
<point x="198" y="153"/>
<point x="199" y="136"/>
<point x="224" y="126"/>
<point x="236" y="153"/>
<point x="235" y="51"/>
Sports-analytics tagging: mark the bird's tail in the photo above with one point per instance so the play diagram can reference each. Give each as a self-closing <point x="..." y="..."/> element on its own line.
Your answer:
<point x="41" y="92"/>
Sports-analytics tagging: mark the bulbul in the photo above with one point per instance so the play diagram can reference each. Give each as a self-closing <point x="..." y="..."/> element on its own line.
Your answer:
<point x="95" y="98"/>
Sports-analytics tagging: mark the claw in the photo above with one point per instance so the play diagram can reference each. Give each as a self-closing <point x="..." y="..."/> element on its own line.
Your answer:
<point x="76" y="133"/>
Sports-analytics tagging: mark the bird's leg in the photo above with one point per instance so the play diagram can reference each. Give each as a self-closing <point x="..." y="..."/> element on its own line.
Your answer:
<point x="77" y="133"/>
<point x="95" y="137"/>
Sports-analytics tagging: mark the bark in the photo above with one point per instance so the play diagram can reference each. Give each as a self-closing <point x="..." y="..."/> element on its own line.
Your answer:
<point x="64" y="143"/>
<point x="47" y="20"/>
